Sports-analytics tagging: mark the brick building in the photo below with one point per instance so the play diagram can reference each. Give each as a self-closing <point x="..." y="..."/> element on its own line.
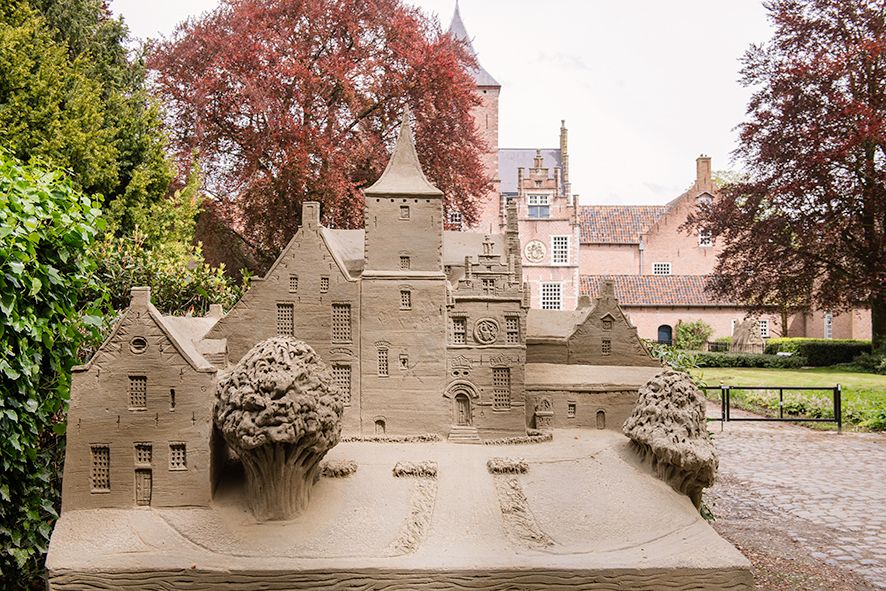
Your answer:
<point x="568" y="249"/>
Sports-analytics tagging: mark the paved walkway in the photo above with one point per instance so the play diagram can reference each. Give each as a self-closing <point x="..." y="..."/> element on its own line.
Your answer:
<point x="827" y="490"/>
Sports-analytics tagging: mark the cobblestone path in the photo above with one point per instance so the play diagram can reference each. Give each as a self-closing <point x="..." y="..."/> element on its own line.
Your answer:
<point x="822" y="492"/>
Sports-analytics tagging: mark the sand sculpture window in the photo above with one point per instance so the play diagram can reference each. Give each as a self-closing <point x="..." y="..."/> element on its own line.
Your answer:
<point x="379" y="426"/>
<point x="341" y="323"/>
<point x="138" y="345"/>
<point x="404" y="212"/>
<point x="405" y="299"/>
<point x="324" y="284"/>
<point x="404" y="361"/>
<point x="172" y="399"/>
<point x="501" y="387"/>
<point x="512" y="330"/>
<point x="293" y="283"/>
<point x="601" y="419"/>
<point x="178" y="456"/>
<point x="101" y="468"/>
<point x="405" y="263"/>
<point x="138" y="392"/>
<point x="341" y="374"/>
<point x="382" y="362"/>
<point x="488" y="285"/>
<point x="606" y="347"/>
<point x="459" y="330"/>
<point x="570" y="410"/>
<point x="143" y="454"/>
<point x="285" y="319"/>
<point x="607" y="324"/>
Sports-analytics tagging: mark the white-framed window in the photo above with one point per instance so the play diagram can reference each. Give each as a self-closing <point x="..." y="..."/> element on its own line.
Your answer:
<point x="539" y="206"/>
<point x="828" y="325"/>
<point x="661" y="268"/>
<point x="551" y="296"/>
<point x="763" y="325"/>
<point x="560" y="249"/>
<point x="455" y="218"/>
<point x="705" y="238"/>
<point x="341" y="375"/>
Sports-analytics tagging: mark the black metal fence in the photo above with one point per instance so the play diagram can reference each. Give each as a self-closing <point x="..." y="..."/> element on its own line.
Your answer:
<point x="726" y="396"/>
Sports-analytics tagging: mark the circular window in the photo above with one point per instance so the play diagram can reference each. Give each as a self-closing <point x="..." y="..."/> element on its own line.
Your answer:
<point x="138" y="345"/>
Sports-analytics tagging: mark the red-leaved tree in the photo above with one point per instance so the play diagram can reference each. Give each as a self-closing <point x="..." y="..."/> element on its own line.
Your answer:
<point x="285" y="101"/>
<point x="809" y="224"/>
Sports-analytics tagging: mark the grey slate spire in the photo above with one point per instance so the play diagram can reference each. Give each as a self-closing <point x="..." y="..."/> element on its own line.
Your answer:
<point x="457" y="28"/>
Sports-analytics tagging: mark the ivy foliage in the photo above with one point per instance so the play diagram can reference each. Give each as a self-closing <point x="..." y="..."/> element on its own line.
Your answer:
<point x="47" y="229"/>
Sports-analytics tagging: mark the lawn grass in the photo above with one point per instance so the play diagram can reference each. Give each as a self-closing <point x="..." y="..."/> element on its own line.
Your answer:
<point x="863" y="394"/>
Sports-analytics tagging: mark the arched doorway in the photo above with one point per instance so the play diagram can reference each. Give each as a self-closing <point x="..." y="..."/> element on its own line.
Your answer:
<point x="463" y="410"/>
<point x="379" y="426"/>
<point x="601" y="419"/>
<point x="665" y="334"/>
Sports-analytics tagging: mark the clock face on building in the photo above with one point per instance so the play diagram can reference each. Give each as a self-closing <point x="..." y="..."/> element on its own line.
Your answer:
<point x="535" y="251"/>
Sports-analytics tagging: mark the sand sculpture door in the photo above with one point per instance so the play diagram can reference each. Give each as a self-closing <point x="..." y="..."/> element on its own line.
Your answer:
<point x="143" y="484"/>
<point x="462" y="410"/>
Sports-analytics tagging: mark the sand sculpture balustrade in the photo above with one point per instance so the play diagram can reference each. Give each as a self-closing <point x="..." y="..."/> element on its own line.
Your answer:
<point x="278" y="410"/>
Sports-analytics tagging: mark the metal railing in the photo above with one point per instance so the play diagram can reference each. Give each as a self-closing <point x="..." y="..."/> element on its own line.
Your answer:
<point x="726" y="404"/>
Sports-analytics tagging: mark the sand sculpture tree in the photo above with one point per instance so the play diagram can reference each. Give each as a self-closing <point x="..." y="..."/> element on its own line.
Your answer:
<point x="668" y="428"/>
<point x="279" y="410"/>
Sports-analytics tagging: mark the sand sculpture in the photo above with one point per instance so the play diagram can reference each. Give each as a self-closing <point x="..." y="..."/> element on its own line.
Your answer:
<point x="279" y="411"/>
<point x="746" y="337"/>
<point x="668" y="428"/>
<point x="400" y="343"/>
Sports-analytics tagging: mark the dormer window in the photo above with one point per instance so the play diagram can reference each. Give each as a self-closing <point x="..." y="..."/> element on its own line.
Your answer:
<point x="539" y="206"/>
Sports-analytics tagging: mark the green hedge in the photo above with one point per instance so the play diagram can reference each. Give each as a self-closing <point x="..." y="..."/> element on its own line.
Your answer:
<point x="820" y="352"/>
<point x="749" y="360"/>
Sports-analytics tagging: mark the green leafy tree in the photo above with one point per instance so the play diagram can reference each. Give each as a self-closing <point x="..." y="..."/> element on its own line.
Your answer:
<point x="47" y="228"/>
<point x="692" y="335"/>
<point x="72" y="94"/>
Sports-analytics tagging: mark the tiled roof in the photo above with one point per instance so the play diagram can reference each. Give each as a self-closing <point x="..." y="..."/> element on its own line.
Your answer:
<point x="617" y="224"/>
<point x="655" y="290"/>
<point x="510" y="159"/>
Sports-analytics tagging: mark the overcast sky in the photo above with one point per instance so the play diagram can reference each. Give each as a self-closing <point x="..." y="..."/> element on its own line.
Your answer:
<point x="645" y="86"/>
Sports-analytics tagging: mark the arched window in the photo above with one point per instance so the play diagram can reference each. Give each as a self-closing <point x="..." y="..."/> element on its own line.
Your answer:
<point x="601" y="419"/>
<point x="665" y="334"/>
<point x="379" y="426"/>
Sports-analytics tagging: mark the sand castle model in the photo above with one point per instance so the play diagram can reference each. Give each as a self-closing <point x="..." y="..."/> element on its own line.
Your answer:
<point x="401" y="340"/>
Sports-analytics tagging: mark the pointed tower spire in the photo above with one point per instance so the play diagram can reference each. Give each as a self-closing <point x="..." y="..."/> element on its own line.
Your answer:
<point x="403" y="174"/>
<point x="458" y="30"/>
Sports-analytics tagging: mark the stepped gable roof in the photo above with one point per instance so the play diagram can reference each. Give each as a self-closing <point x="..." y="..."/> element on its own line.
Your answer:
<point x="458" y="30"/>
<point x="347" y="246"/>
<point x="510" y="159"/>
<point x="618" y="224"/>
<point x="403" y="175"/>
<point x="655" y="290"/>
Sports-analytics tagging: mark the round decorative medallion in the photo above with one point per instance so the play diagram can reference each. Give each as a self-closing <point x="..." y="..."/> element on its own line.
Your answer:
<point x="486" y="331"/>
<point x="138" y="345"/>
<point x="535" y="251"/>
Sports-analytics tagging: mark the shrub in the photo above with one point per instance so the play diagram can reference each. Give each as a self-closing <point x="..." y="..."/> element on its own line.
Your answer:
<point x="820" y="352"/>
<point x="749" y="360"/>
<point x="692" y="335"/>
<point x="871" y="362"/>
<point x="727" y="340"/>
<point x="46" y="228"/>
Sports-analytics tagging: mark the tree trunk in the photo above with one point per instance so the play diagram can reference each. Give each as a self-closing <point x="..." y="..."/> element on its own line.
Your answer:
<point x="279" y="480"/>
<point x="878" y="323"/>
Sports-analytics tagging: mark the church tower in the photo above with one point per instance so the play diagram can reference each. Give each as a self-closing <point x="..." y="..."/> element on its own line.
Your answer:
<point x="491" y="217"/>
<point x="403" y="299"/>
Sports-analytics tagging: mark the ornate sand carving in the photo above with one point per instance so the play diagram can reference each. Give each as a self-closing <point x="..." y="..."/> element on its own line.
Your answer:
<point x="486" y="331"/>
<point x="520" y="523"/>
<point x="420" y="438"/>
<point x="278" y="410"/>
<point x="426" y="469"/>
<point x="507" y="466"/>
<point x="535" y="437"/>
<point x="668" y="426"/>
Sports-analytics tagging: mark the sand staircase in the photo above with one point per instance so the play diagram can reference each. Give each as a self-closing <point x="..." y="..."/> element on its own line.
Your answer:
<point x="464" y="434"/>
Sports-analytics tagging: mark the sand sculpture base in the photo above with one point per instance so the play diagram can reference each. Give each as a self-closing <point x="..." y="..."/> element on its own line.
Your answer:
<point x="587" y="514"/>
